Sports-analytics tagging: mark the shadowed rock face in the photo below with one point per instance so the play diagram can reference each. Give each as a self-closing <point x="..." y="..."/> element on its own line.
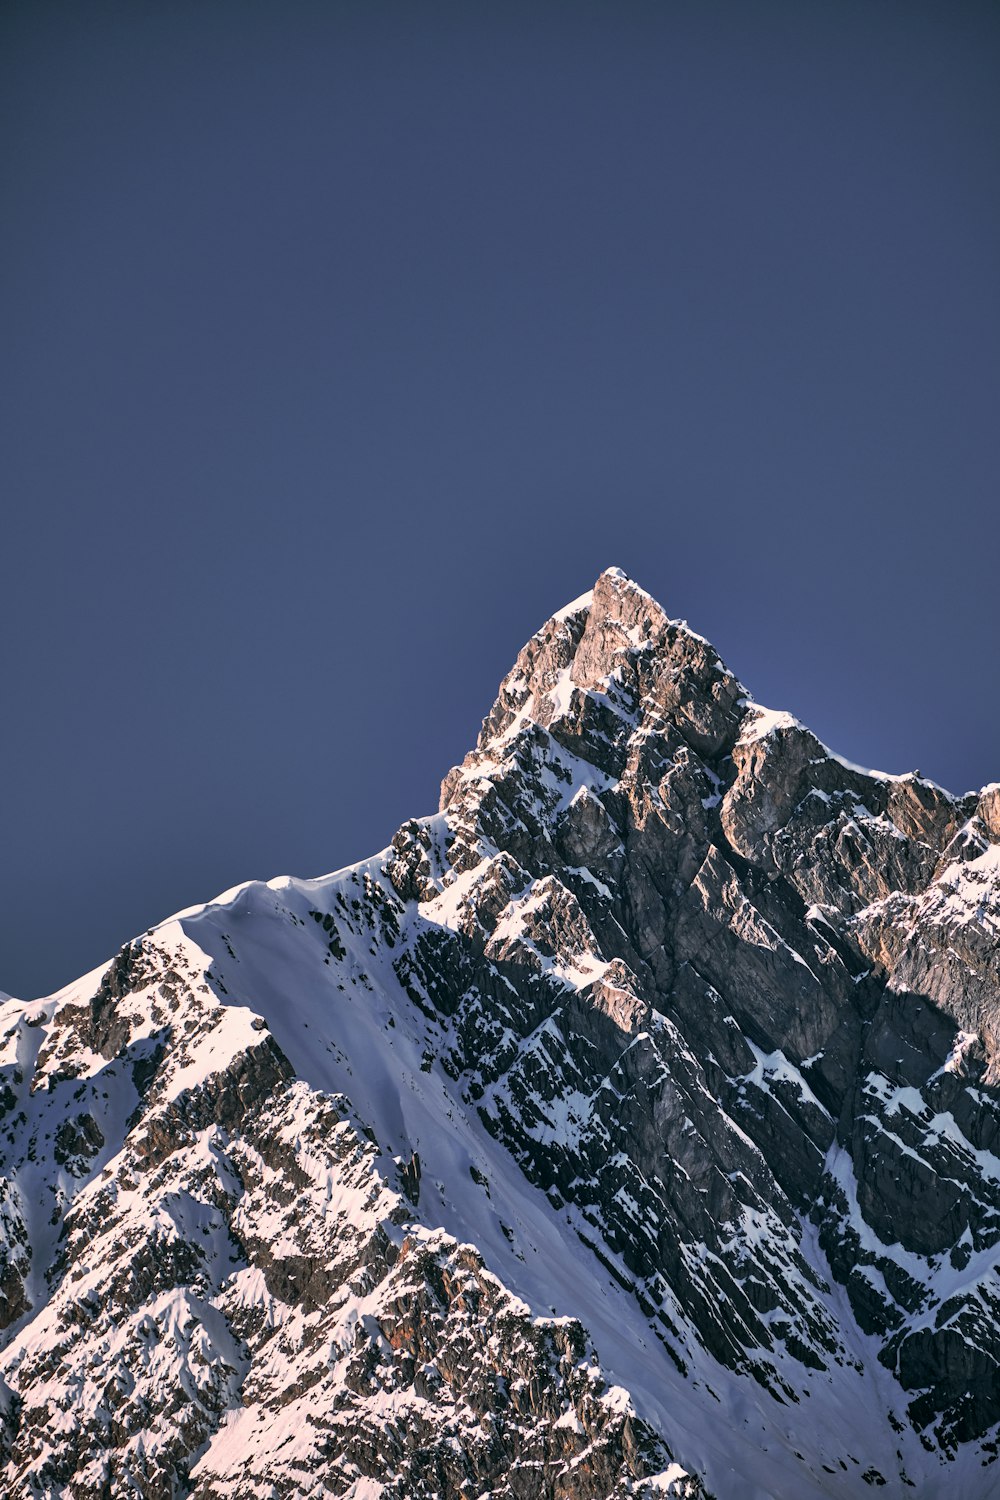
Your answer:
<point x="807" y="948"/>
<point x="663" y="1057"/>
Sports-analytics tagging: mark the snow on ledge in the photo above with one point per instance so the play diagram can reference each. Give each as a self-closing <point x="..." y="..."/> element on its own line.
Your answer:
<point x="575" y="606"/>
<point x="767" y="720"/>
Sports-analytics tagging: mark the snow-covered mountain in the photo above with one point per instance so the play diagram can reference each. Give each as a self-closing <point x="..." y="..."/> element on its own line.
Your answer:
<point x="629" y="1128"/>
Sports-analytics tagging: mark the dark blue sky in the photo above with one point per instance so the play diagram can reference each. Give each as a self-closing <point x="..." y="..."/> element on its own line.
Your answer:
<point x="341" y="344"/>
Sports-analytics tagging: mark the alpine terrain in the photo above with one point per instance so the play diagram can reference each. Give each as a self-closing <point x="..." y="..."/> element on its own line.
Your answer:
<point x="629" y="1128"/>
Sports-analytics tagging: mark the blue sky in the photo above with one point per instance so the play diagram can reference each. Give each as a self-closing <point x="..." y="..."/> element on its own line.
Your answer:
<point x="343" y="344"/>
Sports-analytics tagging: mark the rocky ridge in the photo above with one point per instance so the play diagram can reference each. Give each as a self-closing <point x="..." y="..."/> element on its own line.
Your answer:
<point x="628" y="1126"/>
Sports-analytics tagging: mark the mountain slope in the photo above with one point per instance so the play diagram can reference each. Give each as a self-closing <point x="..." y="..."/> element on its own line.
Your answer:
<point x="626" y="1127"/>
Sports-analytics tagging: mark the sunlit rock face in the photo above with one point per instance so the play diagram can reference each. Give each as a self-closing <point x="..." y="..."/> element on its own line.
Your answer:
<point x="627" y="1129"/>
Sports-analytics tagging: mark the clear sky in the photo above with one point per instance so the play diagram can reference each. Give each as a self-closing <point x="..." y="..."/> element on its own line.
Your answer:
<point x="341" y="344"/>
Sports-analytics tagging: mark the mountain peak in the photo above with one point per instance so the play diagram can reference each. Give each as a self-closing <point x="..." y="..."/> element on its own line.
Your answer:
<point x="631" y="1120"/>
<point x="613" y="655"/>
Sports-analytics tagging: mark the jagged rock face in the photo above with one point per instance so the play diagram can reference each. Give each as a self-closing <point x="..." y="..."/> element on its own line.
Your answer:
<point x="236" y="1302"/>
<point x="633" y="1120"/>
<point x="786" y="920"/>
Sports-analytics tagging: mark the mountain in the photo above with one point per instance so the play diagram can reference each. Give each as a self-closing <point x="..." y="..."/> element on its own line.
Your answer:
<point x="627" y="1129"/>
